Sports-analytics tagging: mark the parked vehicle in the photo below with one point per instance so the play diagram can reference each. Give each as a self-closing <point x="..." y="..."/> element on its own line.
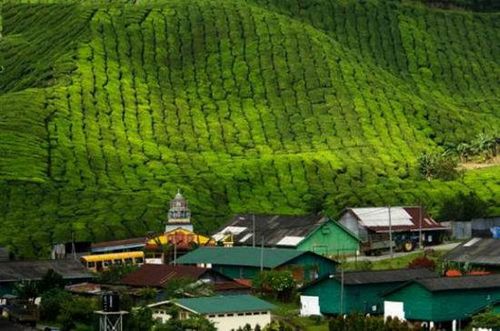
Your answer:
<point x="23" y="312"/>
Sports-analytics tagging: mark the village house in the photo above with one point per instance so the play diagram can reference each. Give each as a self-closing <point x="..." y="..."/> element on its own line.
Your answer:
<point x="158" y="276"/>
<point x="12" y="272"/>
<point x="372" y="227"/>
<point x="314" y="233"/>
<point x="483" y="253"/>
<point x="443" y="302"/>
<point x="247" y="262"/>
<point x="226" y="312"/>
<point x="355" y="291"/>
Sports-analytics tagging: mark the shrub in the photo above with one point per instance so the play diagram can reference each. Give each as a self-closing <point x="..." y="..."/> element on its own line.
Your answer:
<point x="422" y="262"/>
<point x="277" y="283"/>
<point x="437" y="165"/>
<point x="52" y="302"/>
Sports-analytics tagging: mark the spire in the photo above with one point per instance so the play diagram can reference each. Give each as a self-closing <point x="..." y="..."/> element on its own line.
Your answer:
<point x="179" y="211"/>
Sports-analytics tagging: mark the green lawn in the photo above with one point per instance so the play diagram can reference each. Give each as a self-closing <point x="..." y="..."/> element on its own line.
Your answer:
<point x="396" y="262"/>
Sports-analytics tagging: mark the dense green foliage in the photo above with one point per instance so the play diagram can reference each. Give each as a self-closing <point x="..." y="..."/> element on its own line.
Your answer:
<point x="107" y="107"/>
<point x="359" y="322"/>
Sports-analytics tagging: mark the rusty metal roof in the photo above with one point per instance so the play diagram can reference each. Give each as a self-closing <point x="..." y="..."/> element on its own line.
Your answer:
<point x="157" y="275"/>
<point x="407" y="219"/>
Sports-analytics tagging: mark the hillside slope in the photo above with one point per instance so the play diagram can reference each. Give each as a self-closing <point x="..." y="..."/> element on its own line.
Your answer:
<point x="249" y="106"/>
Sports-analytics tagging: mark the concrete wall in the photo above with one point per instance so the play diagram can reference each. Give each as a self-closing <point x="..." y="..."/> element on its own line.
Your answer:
<point x="228" y="322"/>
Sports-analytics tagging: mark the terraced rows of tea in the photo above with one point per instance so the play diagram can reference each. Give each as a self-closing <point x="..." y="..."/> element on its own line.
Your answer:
<point x="256" y="106"/>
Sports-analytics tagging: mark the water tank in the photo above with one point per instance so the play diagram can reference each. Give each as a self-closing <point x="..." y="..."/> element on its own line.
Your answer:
<point x="110" y="302"/>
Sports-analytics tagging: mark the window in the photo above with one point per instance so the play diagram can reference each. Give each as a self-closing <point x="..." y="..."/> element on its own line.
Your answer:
<point x="117" y="261"/>
<point x="241" y="314"/>
<point x="107" y="263"/>
<point x="256" y="313"/>
<point x="139" y="260"/>
<point x="220" y="315"/>
<point x="229" y="315"/>
<point x="90" y="264"/>
<point x="128" y="260"/>
<point x="248" y="313"/>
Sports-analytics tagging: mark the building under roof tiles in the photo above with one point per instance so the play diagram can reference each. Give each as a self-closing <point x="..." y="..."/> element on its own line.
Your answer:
<point x="483" y="252"/>
<point x="246" y="262"/>
<point x="309" y="232"/>
<point x="363" y="290"/>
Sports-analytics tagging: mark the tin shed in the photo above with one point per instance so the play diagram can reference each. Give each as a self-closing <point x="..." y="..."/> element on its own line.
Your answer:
<point x="362" y="290"/>
<point x="446" y="298"/>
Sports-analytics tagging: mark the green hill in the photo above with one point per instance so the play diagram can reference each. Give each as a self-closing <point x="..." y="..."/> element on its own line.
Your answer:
<point x="246" y="106"/>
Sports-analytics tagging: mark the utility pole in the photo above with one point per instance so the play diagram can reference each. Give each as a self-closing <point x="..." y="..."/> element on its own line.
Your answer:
<point x="420" y="216"/>
<point x="341" y="290"/>
<point x="390" y="234"/>
<point x="73" y="248"/>
<point x="262" y="254"/>
<point x="253" y="230"/>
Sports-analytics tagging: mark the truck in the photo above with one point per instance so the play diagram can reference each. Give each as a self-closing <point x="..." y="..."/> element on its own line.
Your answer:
<point x="22" y="312"/>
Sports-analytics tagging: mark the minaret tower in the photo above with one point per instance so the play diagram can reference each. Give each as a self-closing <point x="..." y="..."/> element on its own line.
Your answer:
<point x="179" y="215"/>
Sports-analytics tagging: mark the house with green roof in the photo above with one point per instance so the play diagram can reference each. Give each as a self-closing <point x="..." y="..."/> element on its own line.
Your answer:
<point x="247" y="262"/>
<point x="226" y="312"/>
<point x="443" y="302"/>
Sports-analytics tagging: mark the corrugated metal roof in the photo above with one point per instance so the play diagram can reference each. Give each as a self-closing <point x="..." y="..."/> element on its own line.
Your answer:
<point x="380" y="216"/>
<point x="109" y="246"/>
<point x="291" y="241"/>
<point x="460" y="283"/>
<point x="384" y="276"/>
<point x="225" y="304"/>
<point x="272" y="228"/>
<point x="240" y="256"/>
<point x="35" y="270"/>
<point x="402" y="219"/>
<point x="477" y="251"/>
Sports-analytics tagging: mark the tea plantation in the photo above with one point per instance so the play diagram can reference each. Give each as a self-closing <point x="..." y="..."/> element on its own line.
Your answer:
<point x="268" y="106"/>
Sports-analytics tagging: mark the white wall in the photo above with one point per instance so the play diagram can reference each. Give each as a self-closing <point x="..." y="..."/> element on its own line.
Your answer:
<point x="309" y="305"/>
<point x="350" y="222"/>
<point x="160" y="315"/>
<point x="394" y="309"/>
<point x="225" y="322"/>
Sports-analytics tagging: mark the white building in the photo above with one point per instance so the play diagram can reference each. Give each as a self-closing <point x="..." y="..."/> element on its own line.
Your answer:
<point x="226" y="312"/>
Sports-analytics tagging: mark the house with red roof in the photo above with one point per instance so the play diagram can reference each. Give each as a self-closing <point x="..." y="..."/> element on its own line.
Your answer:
<point x="408" y="226"/>
<point x="158" y="276"/>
